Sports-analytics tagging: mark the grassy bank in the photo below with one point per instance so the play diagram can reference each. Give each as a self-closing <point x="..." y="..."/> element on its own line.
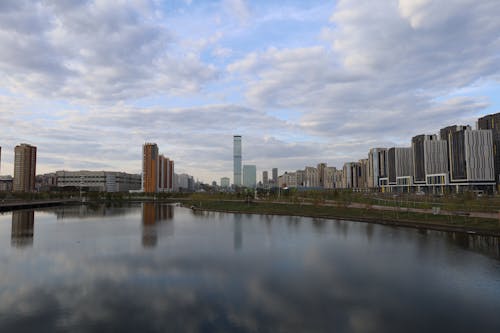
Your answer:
<point x="416" y="220"/>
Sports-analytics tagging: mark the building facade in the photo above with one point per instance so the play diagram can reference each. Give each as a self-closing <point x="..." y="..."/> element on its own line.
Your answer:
<point x="237" y="160"/>
<point x="265" y="178"/>
<point x="249" y="176"/>
<point x="102" y="181"/>
<point x="225" y="182"/>
<point x="492" y="122"/>
<point x="150" y="168"/>
<point x="24" y="168"/>
<point x="275" y="175"/>
<point x="377" y="166"/>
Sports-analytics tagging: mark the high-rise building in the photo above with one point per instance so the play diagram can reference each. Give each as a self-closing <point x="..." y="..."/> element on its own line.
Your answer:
<point x="237" y="160"/>
<point x="150" y="168"/>
<point x="400" y="166"/>
<point x="0" y="159"/>
<point x="311" y="177"/>
<point x="249" y="175"/>
<point x="321" y="174"/>
<point x="329" y="177"/>
<point x="275" y="175"/>
<point x="265" y="178"/>
<point x="418" y="146"/>
<point x="492" y="122"/>
<point x="157" y="170"/>
<point x="470" y="155"/>
<point x="165" y="178"/>
<point x="377" y="166"/>
<point x="363" y="173"/>
<point x="24" y="168"/>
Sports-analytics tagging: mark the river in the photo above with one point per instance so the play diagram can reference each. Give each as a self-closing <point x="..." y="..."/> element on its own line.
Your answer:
<point x="164" y="268"/>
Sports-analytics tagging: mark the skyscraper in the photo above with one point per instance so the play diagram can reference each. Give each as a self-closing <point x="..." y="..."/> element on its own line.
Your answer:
<point x="24" y="168"/>
<point x="150" y="168"/>
<point x="265" y="178"/>
<point x="237" y="160"/>
<point x="275" y="176"/>
<point x="249" y="175"/>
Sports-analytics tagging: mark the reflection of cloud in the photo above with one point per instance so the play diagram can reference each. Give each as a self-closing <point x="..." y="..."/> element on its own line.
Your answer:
<point x="306" y="283"/>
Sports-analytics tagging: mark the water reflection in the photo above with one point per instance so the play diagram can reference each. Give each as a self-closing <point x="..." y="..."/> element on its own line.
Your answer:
<point x="324" y="276"/>
<point x="152" y="215"/>
<point x="238" y="234"/>
<point x="23" y="223"/>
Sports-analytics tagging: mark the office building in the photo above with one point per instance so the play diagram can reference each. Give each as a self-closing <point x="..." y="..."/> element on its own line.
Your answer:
<point x="150" y="168"/>
<point x="419" y="156"/>
<point x="377" y="166"/>
<point x="329" y="181"/>
<point x="321" y="174"/>
<point x="399" y="168"/>
<point x="436" y="163"/>
<point x="237" y="160"/>
<point x="249" y="176"/>
<point x="186" y="183"/>
<point x="470" y="156"/>
<point x="492" y="122"/>
<point x="101" y="181"/>
<point x="311" y="177"/>
<point x="363" y="173"/>
<point x="265" y="178"/>
<point x="275" y="175"/>
<point x="224" y="182"/>
<point x="24" y="168"/>
<point x="6" y="183"/>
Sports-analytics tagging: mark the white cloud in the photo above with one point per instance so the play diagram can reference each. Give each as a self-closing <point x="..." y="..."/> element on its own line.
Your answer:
<point x="94" y="51"/>
<point x="389" y="67"/>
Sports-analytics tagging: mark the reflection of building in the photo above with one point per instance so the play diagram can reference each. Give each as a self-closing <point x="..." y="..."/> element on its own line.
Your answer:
<point x="104" y="181"/>
<point x="24" y="168"/>
<point x="153" y="214"/>
<point x="237" y="160"/>
<point x="22" y="228"/>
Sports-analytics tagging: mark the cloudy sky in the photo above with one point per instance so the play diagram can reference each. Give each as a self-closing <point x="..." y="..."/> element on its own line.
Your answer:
<point x="89" y="81"/>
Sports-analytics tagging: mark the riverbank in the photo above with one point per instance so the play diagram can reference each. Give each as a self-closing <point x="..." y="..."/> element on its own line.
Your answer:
<point x="7" y="206"/>
<point x="452" y="223"/>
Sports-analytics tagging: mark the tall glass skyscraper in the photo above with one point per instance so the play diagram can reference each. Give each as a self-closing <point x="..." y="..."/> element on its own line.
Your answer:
<point x="237" y="160"/>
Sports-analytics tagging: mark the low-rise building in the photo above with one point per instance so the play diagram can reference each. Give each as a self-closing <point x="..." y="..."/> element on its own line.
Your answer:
<point x="103" y="181"/>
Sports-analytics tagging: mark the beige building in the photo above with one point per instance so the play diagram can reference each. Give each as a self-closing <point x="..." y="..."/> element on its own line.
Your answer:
<point x="24" y="168"/>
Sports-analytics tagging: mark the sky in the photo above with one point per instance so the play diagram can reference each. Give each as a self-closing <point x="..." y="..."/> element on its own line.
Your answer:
<point x="304" y="82"/>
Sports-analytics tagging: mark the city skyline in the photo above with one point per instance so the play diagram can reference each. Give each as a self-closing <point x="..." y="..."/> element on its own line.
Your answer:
<point x="173" y="72"/>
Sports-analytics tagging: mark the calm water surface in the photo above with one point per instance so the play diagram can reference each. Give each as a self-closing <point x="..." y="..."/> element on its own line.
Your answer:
<point x="147" y="268"/>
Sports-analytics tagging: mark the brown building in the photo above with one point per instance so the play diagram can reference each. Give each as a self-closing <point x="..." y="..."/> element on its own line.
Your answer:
<point x="150" y="168"/>
<point x="24" y="168"/>
<point x="157" y="170"/>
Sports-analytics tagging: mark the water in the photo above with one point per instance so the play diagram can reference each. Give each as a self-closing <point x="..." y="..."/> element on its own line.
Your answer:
<point x="146" y="268"/>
